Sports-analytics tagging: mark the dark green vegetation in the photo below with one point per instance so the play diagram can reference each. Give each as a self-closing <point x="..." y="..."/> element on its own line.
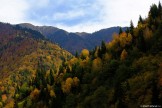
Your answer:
<point x="124" y="73"/>
<point x="73" y="42"/>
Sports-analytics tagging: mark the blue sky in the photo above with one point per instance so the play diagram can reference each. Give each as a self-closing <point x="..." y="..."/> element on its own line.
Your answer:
<point x="75" y="15"/>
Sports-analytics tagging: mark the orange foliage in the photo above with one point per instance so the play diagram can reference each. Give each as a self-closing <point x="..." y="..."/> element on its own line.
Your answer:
<point x="4" y="98"/>
<point x="10" y="104"/>
<point x="125" y="39"/>
<point x="123" y="55"/>
<point x="34" y="94"/>
<point x="113" y="42"/>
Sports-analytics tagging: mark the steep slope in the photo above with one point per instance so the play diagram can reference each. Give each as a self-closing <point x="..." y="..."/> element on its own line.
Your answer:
<point x="23" y="48"/>
<point x="74" y="41"/>
<point x="124" y="73"/>
<point x="22" y="51"/>
<point x="69" y="41"/>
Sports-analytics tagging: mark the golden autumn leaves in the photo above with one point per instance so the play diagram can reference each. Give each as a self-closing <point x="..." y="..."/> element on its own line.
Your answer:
<point x="123" y="55"/>
<point x="123" y="39"/>
<point x="120" y="41"/>
<point x="69" y="83"/>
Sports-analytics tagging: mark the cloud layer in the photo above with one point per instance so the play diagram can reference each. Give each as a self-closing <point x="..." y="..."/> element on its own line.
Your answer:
<point x="13" y="11"/>
<point x="75" y="15"/>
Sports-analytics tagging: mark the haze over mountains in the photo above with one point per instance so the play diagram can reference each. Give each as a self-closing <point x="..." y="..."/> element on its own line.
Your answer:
<point x="73" y="42"/>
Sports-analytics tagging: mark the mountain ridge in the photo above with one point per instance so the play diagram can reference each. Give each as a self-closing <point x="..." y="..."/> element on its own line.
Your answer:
<point x="123" y="73"/>
<point x="80" y="40"/>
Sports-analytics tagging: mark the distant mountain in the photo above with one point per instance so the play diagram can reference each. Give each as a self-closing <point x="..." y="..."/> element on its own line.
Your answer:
<point x="102" y="35"/>
<point x="74" y="41"/>
<point x="22" y="48"/>
<point x="124" y="73"/>
<point x="82" y="34"/>
<point x="45" y="30"/>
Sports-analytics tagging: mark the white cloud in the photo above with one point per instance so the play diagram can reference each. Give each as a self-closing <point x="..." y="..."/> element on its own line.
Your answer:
<point x="117" y="12"/>
<point x="99" y="13"/>
<point x="38" y="3"/>
<point x="68" y="15"/>
<point x="114" y="13"/>
<point x="13" y="11"/>
<point x="83" y="27"/>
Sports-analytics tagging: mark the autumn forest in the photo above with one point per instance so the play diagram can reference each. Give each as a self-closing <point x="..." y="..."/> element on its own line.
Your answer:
<point x="125" y="72"/>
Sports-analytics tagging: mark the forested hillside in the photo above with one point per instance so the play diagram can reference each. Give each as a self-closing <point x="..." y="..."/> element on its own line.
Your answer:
<point x="124" y="73"/>
<point x="21" y="52"/>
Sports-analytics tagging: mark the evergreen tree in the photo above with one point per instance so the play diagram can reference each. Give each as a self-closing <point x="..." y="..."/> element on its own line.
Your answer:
<point x="120" y="30"/>
<point x="154" y="11"/>
<point x="50" y="77"/>
<point x="160" y="10"/>
<point x="131" y="27"/>
<point x="99" y="53"/>
<point x="103" y="47"/>
<point x="76" y="54"/>
<point x="140" y="20"/>
<point x="127" y="30"/>
<point x="141" y="44"/>
<point x="159" y="7"/>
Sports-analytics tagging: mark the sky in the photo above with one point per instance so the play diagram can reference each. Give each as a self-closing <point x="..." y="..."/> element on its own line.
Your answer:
<point x="75" y="15"/>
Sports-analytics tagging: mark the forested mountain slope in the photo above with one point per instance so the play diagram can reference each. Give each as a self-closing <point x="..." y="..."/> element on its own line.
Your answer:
<point x="21" y="51"/>
<point x="73" y="42"/>
<point x="124" y="73"/>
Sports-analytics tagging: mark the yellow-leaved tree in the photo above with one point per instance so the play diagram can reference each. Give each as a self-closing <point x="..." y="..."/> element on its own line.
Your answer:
<point x="123" y="55"/>
<point x="66" y="87"/>
<point x="96" y="65"/>
<point x="114" y="42"/>
<point x="125" y="39"/>
<point x="84" y="54"/>
<point x="52" y="93"/>
<point x="4" y="98"/>
<point x="34" y="94"/>
<point x="147" y="33"/>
